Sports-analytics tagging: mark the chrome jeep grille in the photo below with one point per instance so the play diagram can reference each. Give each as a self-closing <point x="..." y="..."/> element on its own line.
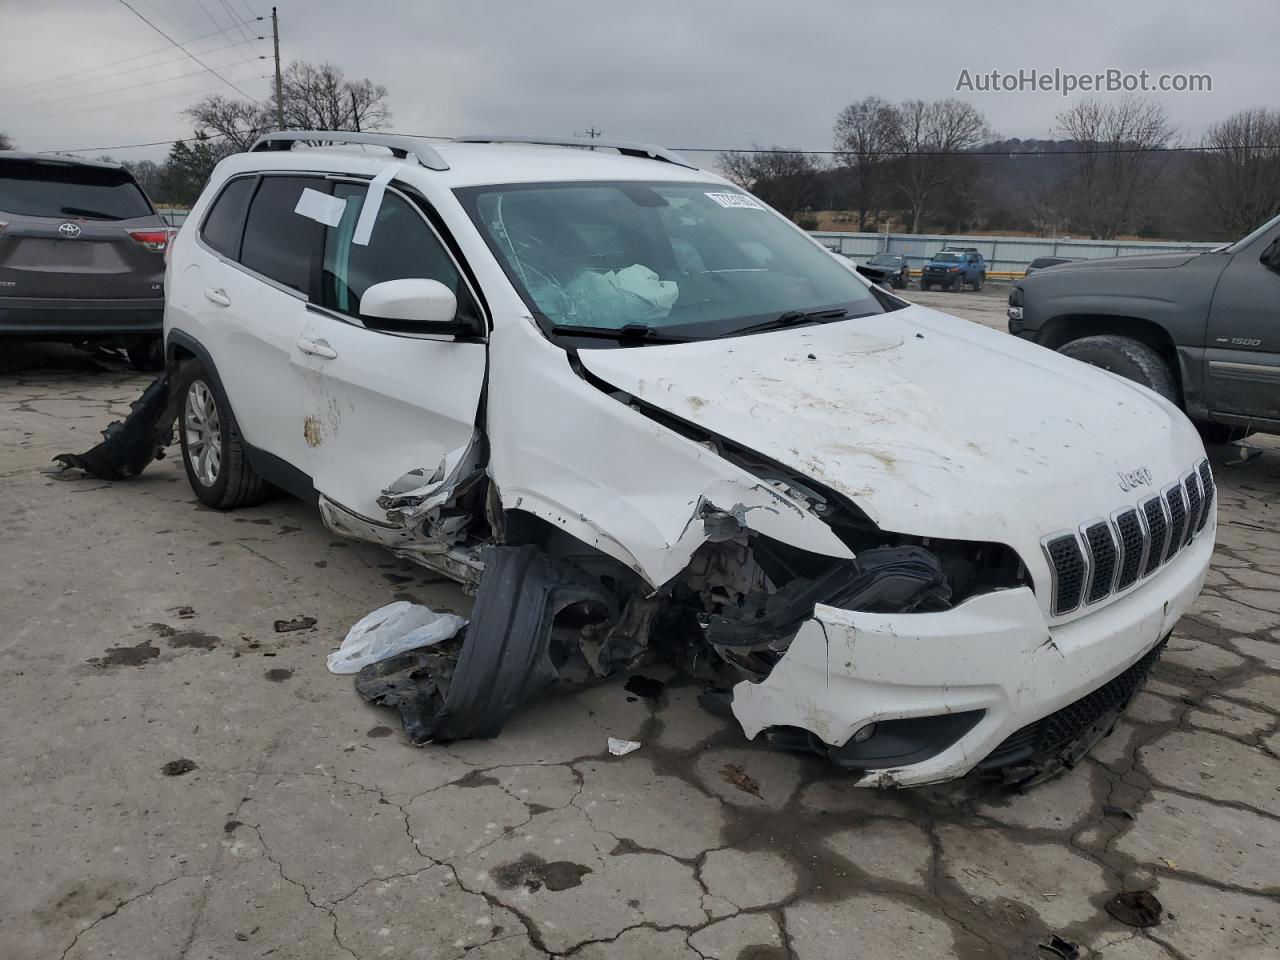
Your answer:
<point x="1105" y="556"/>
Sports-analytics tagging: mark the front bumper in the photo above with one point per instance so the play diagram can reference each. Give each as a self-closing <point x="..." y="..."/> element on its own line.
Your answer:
<point x="72" y="319"/>
<point x="994" y="657"/>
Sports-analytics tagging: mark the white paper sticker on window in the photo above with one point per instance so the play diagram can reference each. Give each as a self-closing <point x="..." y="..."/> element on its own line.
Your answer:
<point x="739" y="200"/>
<point x="320" y="207"/>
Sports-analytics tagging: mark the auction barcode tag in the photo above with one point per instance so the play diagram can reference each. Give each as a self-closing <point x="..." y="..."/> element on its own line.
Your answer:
<point x="740" y="200"/>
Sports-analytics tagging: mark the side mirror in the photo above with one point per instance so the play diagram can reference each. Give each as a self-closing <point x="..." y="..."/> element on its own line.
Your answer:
<point x="413" y="300"/>
<point x="1271" y="256"/>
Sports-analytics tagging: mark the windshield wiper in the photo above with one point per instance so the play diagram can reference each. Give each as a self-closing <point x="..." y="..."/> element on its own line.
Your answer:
<point x="83" y="212"/>
<point x="641" y="332"/>
<point x="790" y="319"/>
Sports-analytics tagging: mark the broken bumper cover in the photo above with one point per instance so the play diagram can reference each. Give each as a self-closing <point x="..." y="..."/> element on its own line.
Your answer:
<point x="992" y="665"/>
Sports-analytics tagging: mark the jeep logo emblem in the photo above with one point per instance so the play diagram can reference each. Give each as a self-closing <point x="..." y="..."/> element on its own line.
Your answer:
<point x="69" y="230"/>
<point x="1134" y="478"/>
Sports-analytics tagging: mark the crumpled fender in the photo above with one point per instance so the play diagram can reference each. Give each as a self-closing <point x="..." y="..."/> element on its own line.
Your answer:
<point x="609" y="476"/>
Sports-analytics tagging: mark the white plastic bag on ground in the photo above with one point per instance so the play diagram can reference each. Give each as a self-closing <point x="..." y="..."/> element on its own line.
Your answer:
<point x="389" y="630"/>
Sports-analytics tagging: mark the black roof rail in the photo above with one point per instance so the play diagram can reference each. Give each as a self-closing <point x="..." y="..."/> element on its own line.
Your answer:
<point x="400" y="146"/>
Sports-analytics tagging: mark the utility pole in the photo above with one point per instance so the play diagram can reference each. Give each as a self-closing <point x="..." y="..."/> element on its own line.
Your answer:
<point x="275" y="35"/>
<point x="592" y="132"/>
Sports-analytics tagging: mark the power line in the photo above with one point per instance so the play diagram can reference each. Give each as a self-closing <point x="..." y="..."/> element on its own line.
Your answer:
<point x="125" y="3"/>
<point x="152" y="143"/>
<point x="231" y="16"/>
<point x="48" y="84"/>
<point x="131" y="86"/>
<point x="226" y="31"/>
<point x="134" y="103"/>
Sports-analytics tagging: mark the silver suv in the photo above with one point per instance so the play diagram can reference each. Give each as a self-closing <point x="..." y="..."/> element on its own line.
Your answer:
<point x="81" y="255"/>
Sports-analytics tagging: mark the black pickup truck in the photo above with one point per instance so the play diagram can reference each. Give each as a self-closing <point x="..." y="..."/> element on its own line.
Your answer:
<point x="1202" y="329"/>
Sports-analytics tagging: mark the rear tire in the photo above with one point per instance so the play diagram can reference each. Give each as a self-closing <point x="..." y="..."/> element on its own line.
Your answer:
<point x="1220" y="433"/>
<point x="213" y="452"/>
<point x="924" y="286"/>
<point x="147" y="355"/>
<point x="1128" y="358"/>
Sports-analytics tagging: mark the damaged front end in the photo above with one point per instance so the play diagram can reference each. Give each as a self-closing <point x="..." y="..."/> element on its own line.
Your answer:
<point x="554" y="614"/>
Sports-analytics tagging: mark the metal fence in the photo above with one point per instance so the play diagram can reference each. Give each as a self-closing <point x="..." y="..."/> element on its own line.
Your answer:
<point x="173" y="216"/>
<point x="1005" y="256"/>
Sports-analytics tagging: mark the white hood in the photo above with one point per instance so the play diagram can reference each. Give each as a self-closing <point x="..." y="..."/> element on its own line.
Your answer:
<point x="934" y="426"/>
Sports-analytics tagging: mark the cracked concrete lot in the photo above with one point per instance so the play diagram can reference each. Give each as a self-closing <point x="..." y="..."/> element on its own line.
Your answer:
<point x="179" y="780"/>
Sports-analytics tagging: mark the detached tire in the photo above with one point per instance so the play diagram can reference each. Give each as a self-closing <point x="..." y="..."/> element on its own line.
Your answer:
<point x="213" y="452"/>
<point x="1130" y="359"/>
<point x="977" y="284"/>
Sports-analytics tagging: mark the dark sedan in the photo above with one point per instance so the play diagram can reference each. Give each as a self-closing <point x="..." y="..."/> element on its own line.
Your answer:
<point x="887" y="269"/>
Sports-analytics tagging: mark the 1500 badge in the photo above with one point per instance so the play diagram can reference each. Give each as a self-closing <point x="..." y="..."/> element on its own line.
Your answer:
<point x="1134" y="478"/>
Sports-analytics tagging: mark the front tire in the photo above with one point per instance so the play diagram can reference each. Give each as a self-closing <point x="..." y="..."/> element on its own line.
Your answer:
<point x="213" y="452"/>
<point x="1128" y="358"/>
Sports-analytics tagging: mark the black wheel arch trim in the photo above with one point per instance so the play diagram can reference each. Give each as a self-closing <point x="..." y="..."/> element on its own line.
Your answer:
<point x="273" y="469"/>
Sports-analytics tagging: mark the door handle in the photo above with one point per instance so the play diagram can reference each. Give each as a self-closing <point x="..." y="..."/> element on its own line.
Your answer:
<point x="317" y="348"/>
<point x="218" y="296"/>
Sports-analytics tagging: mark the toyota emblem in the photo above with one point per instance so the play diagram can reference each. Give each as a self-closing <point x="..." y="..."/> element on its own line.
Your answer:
<point x="70" y="230"/>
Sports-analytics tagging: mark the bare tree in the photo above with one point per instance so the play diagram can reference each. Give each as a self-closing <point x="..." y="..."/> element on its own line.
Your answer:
<point x="929" y="137"/>
<point x="1238" y="174"/>
<point x="1118" y="159"/>
<point x="228" y="126"/>
<point x="148" y="173"/>
<point x="785" y="179"/>
<point x="316" y="97"/>
<point x="320" y="97"/>
<point x="863" y="133"/>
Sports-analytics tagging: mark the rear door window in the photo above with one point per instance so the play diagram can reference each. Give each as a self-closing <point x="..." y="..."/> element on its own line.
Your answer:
<point x="225" y="222"/>
<point x="279" y="243"/>
<point x="39" y="188"/>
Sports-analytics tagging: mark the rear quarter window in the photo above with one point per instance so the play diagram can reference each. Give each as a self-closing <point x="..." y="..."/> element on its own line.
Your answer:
<point x="39" y="188"/>
<point x="225" y="222"/>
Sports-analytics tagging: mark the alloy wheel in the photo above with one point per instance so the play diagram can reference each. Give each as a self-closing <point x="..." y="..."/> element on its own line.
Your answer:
<point x="203" y="433"/>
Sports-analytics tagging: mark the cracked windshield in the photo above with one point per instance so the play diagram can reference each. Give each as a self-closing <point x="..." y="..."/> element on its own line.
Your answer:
<point x="695" y="259"/>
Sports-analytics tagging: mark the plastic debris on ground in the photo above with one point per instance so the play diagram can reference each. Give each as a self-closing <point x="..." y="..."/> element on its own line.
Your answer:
<point x="391" y="630"/>
<point x="620" y="748"/>
<point x="1137" y="908"/>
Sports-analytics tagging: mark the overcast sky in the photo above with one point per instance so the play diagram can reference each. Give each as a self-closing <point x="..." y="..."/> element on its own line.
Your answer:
<point x="684" y="73"/>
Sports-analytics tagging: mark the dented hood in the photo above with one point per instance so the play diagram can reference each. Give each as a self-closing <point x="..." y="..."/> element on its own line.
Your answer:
<point x="934" y="426"/>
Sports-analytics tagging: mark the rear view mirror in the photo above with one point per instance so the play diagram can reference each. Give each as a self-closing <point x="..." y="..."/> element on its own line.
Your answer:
<point x="413" y="300"/>
<point x="1271" y="256"/>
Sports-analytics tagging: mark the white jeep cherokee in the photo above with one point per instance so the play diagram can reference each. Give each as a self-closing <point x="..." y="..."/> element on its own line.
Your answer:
<point x="640" y="414"/>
